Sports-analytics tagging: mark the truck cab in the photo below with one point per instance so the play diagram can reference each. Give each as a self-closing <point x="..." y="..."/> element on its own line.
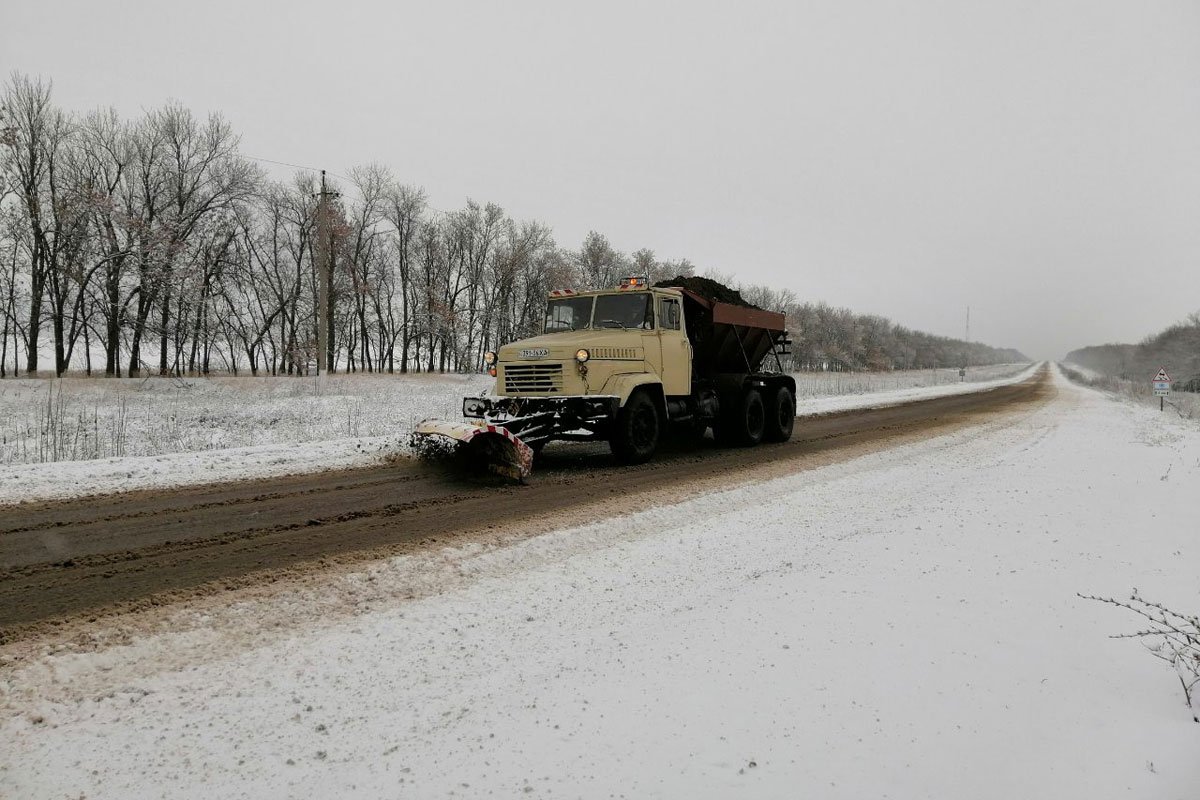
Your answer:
<point x="602" y="343"/>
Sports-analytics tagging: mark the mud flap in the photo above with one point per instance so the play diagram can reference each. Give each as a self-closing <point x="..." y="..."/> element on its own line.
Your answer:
<point x="500" y="450"/>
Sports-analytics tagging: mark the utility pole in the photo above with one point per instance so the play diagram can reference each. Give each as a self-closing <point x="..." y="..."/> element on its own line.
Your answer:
<point x="962" y="373"/>
<point x="324" y="248"/>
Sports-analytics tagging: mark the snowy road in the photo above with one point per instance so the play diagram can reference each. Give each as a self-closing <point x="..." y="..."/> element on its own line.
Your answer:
<point x="103" y="553"/>
<point x="899" y="624"/>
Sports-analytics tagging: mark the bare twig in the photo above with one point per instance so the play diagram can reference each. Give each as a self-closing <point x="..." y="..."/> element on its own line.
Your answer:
<point x="1171" y="637"/>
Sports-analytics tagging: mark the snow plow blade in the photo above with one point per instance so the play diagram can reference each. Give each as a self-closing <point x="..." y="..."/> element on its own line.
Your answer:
<point x="495" y="446"/>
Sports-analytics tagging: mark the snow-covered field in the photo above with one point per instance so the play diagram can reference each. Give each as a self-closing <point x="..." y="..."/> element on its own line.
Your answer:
<point x="903" y="624"/>
<point x="117" y="435"/>
<point x="88" y="418"/>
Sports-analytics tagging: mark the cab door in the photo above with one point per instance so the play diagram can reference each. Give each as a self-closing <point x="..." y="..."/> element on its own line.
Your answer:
<point x="652" y="338"/>
<point x="676" y="370"/>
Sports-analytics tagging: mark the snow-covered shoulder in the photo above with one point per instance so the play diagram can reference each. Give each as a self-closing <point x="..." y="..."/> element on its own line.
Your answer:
<point x="980" y="382"/>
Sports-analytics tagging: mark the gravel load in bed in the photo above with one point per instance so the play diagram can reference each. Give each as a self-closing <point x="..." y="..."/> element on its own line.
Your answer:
<point x="707" y="288"/>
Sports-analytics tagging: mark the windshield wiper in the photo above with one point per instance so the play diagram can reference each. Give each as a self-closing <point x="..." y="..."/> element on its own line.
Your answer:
<point x="615" y="323"/>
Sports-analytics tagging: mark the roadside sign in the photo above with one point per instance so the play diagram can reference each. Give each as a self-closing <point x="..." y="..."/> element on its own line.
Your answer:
<point x="1161" y="384"/>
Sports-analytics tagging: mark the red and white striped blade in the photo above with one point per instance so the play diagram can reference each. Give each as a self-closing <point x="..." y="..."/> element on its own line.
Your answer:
<point x="507" y="453"/>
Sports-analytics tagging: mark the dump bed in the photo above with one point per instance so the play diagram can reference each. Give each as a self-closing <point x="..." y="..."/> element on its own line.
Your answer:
<point x="729" y="338"/>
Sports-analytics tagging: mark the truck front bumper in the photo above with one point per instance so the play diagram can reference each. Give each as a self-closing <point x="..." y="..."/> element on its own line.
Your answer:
<point x="542" y="418"/>
<point x="503" y="407"/>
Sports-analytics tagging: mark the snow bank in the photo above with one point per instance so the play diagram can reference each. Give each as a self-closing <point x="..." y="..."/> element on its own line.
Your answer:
<point x="903" y="625"/>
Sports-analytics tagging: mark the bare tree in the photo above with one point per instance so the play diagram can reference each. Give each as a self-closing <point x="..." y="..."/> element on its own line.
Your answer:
<point x="600" y="266"/>
<point x="405" y="208"/>
<point x="105" y="155"/>
<point x="10" y="278"/>
<point x="364" y="255"/>
<point x="36" y="140"/>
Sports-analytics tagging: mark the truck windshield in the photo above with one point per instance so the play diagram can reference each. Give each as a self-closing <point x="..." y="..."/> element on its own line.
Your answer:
<point x="626" y="310"/>
<point x="568" y="314"/>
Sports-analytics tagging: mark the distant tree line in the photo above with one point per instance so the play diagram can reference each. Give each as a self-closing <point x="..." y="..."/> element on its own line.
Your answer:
<point x="1177" y="348"/>
<point x="828" y="338"/>
<point x="152" y="245"/>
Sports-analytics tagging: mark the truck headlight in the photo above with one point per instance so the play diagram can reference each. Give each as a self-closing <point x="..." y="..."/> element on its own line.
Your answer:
<point x="489" y="358"/>
<point x="582" y="355"/>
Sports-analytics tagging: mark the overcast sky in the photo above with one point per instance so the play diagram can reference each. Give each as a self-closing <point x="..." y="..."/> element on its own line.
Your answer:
<point x="1037" y="161"/>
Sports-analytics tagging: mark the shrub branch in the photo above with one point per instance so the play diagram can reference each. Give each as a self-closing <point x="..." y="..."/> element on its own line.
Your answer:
<point x="1169" y="636"/>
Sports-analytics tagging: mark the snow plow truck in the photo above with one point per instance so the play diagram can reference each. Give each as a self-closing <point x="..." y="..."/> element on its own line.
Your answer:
<point x="626" y="364"/>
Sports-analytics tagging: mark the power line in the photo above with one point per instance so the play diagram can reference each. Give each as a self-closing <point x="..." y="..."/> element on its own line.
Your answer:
<point x="318" y="171"/>
<point x="314" y="170"/>
<point x="282" y="163"/>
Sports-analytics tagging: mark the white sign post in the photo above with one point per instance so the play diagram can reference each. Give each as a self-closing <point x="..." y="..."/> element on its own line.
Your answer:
<point x="1161" y="384"/>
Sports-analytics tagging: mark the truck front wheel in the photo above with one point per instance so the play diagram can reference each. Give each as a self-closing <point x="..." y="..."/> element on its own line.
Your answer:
<point x="636" y="432"/>
<point x="781" y="415"/>
<point x="742" y="426"/>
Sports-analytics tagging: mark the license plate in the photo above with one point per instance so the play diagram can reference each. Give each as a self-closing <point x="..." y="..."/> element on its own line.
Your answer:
<point x="540" y="352"/>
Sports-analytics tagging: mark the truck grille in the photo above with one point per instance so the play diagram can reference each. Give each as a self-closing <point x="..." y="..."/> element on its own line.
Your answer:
<point x="533" y="378"/>
<point x="618" y="353"/>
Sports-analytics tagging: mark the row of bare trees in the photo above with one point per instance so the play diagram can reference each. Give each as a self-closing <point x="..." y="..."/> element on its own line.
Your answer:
<point x="154" y="245"/>
<point x="108" y="226"/>
<point x="825" y="337"/>
<point x="1175" y="348"/>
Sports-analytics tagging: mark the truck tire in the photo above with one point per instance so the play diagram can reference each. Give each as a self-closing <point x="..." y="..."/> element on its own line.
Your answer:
<point x="781" y="415"/>
<point x="744" y="424"/>
<point x="636" y="431"/>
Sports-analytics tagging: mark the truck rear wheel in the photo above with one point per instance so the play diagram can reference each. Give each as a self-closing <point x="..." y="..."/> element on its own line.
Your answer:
<point x="636" y="432"/>
<point x="744" y="424"/>
<point x="781" y="415"/>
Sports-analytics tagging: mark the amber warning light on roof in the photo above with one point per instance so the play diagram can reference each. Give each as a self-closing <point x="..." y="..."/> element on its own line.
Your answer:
<point x="634" y="283"/>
